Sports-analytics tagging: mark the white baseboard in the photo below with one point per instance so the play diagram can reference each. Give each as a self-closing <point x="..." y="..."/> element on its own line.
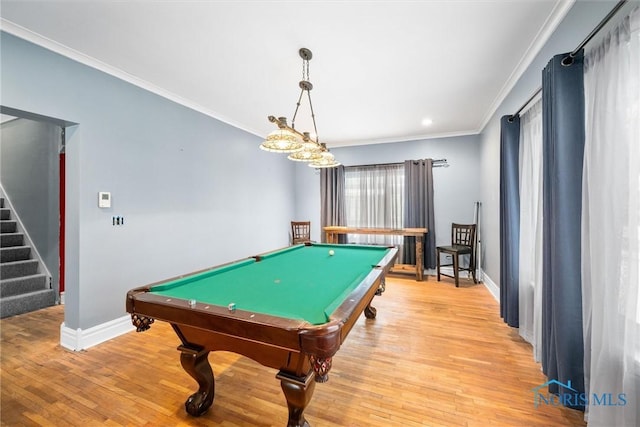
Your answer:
<point x="79" y="339"/>
<point x="490" y="285"/>
<point x="482" y="277"/>
<point x="445" y="270"/>
<point x="526" y="335"/>
<point x="449" y="271"/>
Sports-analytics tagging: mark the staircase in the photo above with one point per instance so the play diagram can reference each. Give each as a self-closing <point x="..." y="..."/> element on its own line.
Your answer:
<point x="23" y="287"/>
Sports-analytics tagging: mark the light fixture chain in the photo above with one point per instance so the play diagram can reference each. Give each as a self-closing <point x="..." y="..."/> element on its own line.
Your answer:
<point x="313" y="117"/>
<point x="305" y="69"/>
<point x="293" y="120"/>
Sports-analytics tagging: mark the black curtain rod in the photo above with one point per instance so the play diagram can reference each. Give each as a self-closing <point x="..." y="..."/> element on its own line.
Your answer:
<point x="568" y="60"/>
<point x="525" y="104"/>
<point x="436" y="163"/>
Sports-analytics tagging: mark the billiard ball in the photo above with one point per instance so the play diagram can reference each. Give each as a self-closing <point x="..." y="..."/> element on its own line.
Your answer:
<point x="331" y="252"/>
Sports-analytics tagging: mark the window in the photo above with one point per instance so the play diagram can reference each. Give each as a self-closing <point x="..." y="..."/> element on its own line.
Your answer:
<point x="374" y="198"/>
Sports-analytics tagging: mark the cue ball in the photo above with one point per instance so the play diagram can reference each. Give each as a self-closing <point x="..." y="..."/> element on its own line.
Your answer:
<point x="331" y="252"/>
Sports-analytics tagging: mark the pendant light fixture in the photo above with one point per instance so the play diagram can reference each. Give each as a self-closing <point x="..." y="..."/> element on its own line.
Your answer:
<point x="286" y="139"/>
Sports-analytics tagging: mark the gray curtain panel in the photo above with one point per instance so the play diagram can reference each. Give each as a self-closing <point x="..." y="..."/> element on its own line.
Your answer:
<point x="332" y="208"/>
<point x="509" y="220"/>
<point x="563" y="148"/>
<point x="419" y="211"/>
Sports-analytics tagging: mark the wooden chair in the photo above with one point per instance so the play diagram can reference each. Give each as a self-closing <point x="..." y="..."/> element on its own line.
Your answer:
<point x="300" y="232"/>
<point x="463" y="242"/>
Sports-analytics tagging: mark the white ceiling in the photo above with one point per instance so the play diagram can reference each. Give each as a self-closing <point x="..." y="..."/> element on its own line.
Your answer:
<point x="378" y="69"/>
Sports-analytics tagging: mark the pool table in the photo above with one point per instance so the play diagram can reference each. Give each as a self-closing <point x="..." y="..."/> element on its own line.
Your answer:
<point x="289" y="309"/>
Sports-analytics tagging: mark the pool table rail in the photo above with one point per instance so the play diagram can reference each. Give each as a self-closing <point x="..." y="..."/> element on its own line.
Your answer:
<point x="219" y="329"/>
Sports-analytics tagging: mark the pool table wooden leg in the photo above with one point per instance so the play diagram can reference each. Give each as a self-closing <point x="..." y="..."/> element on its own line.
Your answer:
<point x="196" y="363"/>
<point x="370" y="312"/>
<point x="298" y="392"/>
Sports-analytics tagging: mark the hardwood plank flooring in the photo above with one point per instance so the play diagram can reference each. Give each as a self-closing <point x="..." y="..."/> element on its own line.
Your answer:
<point x="436" y="355"/>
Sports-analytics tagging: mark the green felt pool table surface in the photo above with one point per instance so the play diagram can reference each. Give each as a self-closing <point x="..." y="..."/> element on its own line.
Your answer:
<point x="300" y="282"/>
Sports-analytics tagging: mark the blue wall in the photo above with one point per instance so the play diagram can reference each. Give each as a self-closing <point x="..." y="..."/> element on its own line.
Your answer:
<point x="194" y="191"/>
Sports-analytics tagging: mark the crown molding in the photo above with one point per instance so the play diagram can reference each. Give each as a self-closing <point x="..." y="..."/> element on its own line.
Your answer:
<point x="551" y="24"/>
<point x="339" y="144"/>
<point x="61" y="49"/>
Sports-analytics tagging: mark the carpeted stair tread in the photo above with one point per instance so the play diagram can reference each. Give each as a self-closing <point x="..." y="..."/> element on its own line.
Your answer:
<point x="22" y="285"/>
<point x="15" y="253"/>
<point x="27" y="267"/>
<point x="11" y="239"/>
<point x="24" y="303"/>
<point x="8" y="226"/>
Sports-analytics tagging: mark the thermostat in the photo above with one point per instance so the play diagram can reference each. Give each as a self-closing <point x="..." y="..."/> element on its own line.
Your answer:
<point x="104" y="199"/>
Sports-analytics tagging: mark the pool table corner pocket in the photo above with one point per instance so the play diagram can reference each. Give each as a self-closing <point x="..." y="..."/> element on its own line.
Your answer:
<point x="320" y="344"/>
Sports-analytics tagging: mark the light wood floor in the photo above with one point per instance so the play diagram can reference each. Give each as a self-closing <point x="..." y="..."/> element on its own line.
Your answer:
<point x="435" y="356"/>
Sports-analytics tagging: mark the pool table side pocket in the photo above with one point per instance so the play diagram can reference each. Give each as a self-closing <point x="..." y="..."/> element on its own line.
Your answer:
<point x="357" y="302"/>
<point x="321" y="342"/>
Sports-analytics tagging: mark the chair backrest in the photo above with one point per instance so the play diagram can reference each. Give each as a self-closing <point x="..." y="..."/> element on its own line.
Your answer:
<point x="300" y="232"/>
<point x="463" y="234"/>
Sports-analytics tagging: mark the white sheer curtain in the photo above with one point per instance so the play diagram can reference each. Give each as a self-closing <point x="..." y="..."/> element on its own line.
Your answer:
<point x="374" y="198"/>
<point x="530" y="276"/>
<point x="611" y="225"/>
